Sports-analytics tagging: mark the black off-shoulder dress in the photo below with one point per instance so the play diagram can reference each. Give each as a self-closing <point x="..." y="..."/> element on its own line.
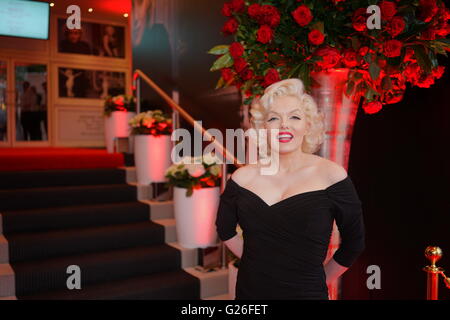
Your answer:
<point x="285" y="244"/>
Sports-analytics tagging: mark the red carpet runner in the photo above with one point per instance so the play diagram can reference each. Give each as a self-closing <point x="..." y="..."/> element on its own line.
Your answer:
<point x="15" y="159"/>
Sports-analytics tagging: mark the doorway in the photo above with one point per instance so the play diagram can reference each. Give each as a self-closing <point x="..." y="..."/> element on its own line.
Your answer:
<point x="24" y="112"/>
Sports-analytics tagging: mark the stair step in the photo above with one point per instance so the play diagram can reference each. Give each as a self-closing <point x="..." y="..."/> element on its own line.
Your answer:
<point x="81" y="216"/>
<point x="54" y="178"/>
<point x="51" y="274"/>
<point x="170" y="229"/>
<point x="211" y="283"/>
<point x="19" y="199"/>
<point x="45" y="245"/>
<point x="173" y="285"/>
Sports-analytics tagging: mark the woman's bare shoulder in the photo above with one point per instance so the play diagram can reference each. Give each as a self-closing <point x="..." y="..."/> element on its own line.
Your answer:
<point x="333" y="171"/>
<point x="245" y="174"/>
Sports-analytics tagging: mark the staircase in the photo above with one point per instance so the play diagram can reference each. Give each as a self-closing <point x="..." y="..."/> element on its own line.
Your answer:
<point x="102" y="221"/>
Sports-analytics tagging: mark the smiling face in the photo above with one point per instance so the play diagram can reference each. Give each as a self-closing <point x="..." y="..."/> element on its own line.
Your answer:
<point x="286" y="115"/>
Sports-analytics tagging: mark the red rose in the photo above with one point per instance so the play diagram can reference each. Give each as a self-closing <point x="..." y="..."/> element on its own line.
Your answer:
<point x="382" y="63"/>
<point x="392" y="48"/>
<point x="230" y="27"/>
<point x="427" y="10"/>
<point x="227" y="10"/>
<point x="331" y="57"/>
<point x="302" y="15"/>
<point x="271" y="76"/>
<point x="392" y="96"/>
<point x="246" y="74"/>
<point x="316" y="37"/>
<point x="412" y="72"/>
<point x="372" y="107"/>
<point x="264" y="34"/>
<point x="359" y="19"/>
<point x="349" y="58"/>
<point x="442" y="29"/>
<point x="253" y="10"/>
<point x="236" y="50"/>
<point x="227" y="74"/>
<point x="396" y="26"/>
<point x="409" y="55"/>
<point x="438" y="72"/>
<point x="425" y="81"/>
<point x="268" y="15"/>
<point x="363" y="51"/>
<point x="388" y="9"/>
<point x="240" y="64"/>
<point x="238" y="5"/>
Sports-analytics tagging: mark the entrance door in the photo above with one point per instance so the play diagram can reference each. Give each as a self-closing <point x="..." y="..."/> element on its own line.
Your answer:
<point x="23" y="103"/>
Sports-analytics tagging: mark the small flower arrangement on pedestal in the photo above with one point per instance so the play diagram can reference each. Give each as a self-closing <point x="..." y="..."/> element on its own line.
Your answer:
<point x="119" y="103"/>
<point x="152" y="145"/>
<point x="153" y="122"/>
<point x="195" y="212"/>
<point x="191" y="175"/>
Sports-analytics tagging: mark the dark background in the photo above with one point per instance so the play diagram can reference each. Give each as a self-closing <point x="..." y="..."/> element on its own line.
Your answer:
<point x="399" y="163"/>
<point x="399" y="159"/>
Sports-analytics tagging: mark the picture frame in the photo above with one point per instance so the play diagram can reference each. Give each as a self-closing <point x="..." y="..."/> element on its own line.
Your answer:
<point x="88" y="85"/>
<point x="81" y="53"/>
<point x="94" y="38"/>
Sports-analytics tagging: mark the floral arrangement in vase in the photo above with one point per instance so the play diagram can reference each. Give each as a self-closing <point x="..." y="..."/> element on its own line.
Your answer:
<point x="119" y="103"/>
<point x="276" y="40"/>
<point x="192" y="175"/>
<point x="153" y="122"/>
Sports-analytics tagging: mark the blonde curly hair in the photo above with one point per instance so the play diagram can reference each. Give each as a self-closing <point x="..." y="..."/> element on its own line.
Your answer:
<point x="314" y="138"/>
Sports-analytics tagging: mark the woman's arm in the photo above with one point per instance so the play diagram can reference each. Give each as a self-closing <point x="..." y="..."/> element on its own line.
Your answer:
<point x="236" y="245"/>
<point x="333" y="270"/>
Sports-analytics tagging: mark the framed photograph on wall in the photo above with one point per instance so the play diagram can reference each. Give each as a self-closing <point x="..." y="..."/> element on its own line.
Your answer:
<point x="90" y="84"/>
<point x="94" y="39"/>
<point x="85" y="85"/>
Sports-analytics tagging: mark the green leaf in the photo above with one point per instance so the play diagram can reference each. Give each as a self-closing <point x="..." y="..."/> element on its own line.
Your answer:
<point x="386" y="83"/>
<point x="248" y="100"/>
<point x="293" y="71"/>
<point x="422" y="58"/>
<point x="224" y="61"/>
<point x="319" y="26"/>
<point x="357" y="76"/>
<point x="220" y="49"/>
<point x="374" y="70"/>
<point x="433" y="59"/>
<point x="220" y="83"/>
<point x="355" y="43"/>
<point x="350" y="87"/>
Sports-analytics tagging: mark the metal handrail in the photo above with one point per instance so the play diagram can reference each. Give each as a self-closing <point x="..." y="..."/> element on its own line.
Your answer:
<point x="177" y="108"/>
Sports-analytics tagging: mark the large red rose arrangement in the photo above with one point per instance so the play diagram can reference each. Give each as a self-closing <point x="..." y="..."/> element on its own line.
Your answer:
<point x="276" y="40"/>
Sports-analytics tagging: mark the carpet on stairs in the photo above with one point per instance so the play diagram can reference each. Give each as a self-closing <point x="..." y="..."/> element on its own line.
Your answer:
<point x="89" y="218"/>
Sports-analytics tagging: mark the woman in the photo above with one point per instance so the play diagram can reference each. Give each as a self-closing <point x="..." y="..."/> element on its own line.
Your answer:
<point x="287" y="217"/>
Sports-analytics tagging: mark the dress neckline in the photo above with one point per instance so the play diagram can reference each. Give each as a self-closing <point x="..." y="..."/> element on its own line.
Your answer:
<point x="291" y="197"/>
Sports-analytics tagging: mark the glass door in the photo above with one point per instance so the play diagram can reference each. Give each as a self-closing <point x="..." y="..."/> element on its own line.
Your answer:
<point x="23" y="103"/>
<point x="31" y="116"/>
<point x="4" y="103"/>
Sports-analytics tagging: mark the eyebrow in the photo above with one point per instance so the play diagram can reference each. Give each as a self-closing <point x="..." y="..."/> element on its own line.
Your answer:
<point x="297" y="109"/>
